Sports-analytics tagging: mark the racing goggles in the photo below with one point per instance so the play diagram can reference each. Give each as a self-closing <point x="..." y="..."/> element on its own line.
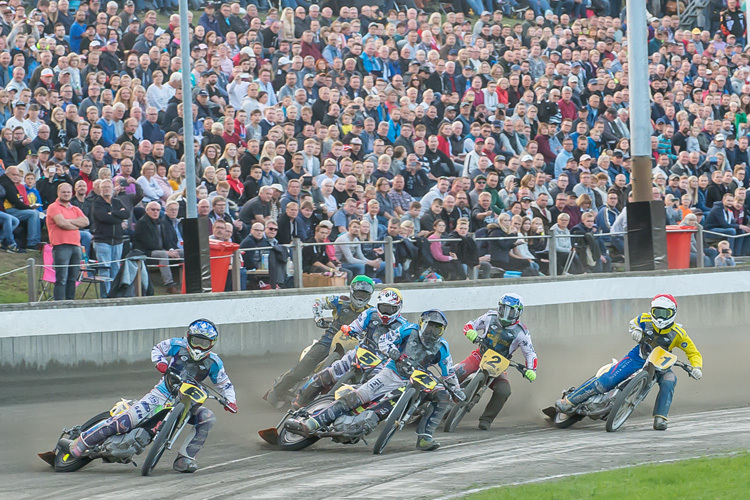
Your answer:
<point x="387" y="310"/>
<point x="431" y="332"/>
<point x="361" y="295"/>
<point x="508" y="313"/>
<point x="200" y="342"/>
<point x="662" y="313"/>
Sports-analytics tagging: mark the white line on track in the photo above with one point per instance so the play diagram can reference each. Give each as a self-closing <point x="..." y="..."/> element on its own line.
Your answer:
<point x="233" y="462"/>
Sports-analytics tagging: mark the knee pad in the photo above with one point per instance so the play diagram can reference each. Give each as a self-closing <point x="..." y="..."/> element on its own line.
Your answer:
<point x="349" y="397"/>
<point x="205" y="418"/>
<point x="326" y="377"/>
<point x="502" y="388"/>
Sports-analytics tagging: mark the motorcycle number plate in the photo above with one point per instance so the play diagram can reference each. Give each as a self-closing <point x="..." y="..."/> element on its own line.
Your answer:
<point x="661" y="358"/>
<point x="424" y="379"/>
<point x="493" y="363"/>
<point x="367" y="358"/>
<point x="193" y="392"/>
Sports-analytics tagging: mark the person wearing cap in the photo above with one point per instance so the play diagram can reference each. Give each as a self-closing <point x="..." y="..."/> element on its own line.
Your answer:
<point x="109" y="61"/>
<point x="208" y="19"/>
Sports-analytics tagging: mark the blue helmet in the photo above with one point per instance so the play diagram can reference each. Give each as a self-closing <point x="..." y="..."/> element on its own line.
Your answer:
<point x="509" y="309"/>
<point x="202" y="335"/>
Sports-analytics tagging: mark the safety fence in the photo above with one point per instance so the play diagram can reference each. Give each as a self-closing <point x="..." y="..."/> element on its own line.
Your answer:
<point x="33" y="267"/>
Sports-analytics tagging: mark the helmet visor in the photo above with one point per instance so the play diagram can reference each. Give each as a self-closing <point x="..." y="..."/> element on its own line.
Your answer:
<point x="508" y="314"/>
<point x="361" y="295"/>
<point x="200" y="342"/>
<point x="662" y="313"/>
<point x="431" y="332"/>
<point x="387" y="309"/>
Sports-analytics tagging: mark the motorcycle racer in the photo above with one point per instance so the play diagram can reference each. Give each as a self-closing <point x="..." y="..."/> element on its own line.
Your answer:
<point x="370" y="325"/>
<point x="191" y="354"/>
<point x="345" y="310"/>
<point x="649" y="330"/>
<point x="423" y="344"/>
<point x="505" y="334"/>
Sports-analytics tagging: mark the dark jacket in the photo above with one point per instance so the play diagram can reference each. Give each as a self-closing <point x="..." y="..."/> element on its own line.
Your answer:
<point x="11" y="193"/>
<point x="499" y="249"/>
<point x="106" y="220"/>
<point x="149" y="235"/>
<point x="466" y="250"/>
<point x="715" y="218"/>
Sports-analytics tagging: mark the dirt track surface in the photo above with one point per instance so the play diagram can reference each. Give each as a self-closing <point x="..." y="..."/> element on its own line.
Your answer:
<point x="236" y="463"/>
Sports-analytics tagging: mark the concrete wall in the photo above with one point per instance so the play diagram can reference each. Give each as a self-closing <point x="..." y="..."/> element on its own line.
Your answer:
<point x="256" y="323"/>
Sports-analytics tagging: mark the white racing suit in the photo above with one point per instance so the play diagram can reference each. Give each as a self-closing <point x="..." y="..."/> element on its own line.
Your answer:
<point x="150" y="404"/>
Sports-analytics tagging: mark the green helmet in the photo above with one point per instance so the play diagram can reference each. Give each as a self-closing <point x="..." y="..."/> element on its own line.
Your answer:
<point x="360" y="290"/>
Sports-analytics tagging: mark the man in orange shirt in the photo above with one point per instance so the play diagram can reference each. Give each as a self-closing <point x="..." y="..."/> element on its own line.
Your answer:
<point x="63" y="223"/>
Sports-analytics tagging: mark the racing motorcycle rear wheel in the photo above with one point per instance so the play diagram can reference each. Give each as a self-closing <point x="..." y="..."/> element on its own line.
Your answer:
<point x="290" y="441"/>
<point x="627" y="400"/>
<point x="64" y="461"/>
<point x="460" y="410"/>
<point x="160" y="441"/>
<point x="396" y="419"/>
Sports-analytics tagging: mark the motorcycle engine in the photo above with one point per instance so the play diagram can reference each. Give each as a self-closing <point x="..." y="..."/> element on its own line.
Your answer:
<point x="599" y="405"/>
<point x="122" y="447"/>
<point x="357" y="425"/>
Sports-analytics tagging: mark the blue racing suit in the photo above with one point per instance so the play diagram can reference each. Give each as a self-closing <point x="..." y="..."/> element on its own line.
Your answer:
<point x="174" y="352"/>
<point x="676" y="336"/>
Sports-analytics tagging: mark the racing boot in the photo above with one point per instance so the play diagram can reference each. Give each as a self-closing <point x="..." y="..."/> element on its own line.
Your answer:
<point x="77" y="447"/>
<point x="325" y="417"/>
<point x="563" y="405"/>
<point x="317" y="353"/>
<point x="320" y="383"/>
<point x="184" y="464"/>
<point x="660" y="423"/>
<point x="426" y="443"/>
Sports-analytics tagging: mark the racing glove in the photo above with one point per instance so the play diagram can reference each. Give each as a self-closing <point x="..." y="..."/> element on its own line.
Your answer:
<point x="530" y="374"/>
<point x="637" y="334"/>
<point x="471" y="334"/>
<point x="394" y="353"/>
<point x="322" y="323"/>
<point x="696" y="373"/>
<point x="231" y="407"/>
<point x="162" y="366"/>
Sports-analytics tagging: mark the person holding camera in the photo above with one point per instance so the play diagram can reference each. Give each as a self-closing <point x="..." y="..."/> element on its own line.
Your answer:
<point x="724" y="259"/>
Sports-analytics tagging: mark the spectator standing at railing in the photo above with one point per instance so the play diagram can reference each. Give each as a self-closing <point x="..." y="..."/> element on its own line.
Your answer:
<point x="107" y="217"/>
<point x="446" y="262"/>
<point x="351" y="256"/>
<point x="64" y="220"/>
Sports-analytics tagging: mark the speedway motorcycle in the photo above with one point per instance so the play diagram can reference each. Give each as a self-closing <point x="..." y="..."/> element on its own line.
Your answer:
<point x="412" y="400"/>
<point x="625" y="403"/>
<point x="347" y="429"/>
<point x="491" y="366"/>
<point x="166" y="423"/>
<point x="618" y="404"/>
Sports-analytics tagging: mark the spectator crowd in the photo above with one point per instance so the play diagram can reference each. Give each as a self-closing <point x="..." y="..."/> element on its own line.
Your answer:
<point x="352" y="121"/>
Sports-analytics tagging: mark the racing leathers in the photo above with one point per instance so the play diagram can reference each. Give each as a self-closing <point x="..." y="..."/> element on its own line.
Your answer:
<point x="505" y="341"/>
<point x="368" y="327"/>
<point x="174" y="353"/>
<point x="344" y="312"/>
<point x="668" y="339"/>
<point x="406" y="341"/>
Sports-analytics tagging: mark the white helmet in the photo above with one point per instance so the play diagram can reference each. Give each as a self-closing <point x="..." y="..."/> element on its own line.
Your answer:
<point x="663" y="311"/>
<point x="389" y="304"/>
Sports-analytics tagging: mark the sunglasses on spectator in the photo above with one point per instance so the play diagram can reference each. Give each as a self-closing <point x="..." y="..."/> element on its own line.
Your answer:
<point x="272" y="228"/>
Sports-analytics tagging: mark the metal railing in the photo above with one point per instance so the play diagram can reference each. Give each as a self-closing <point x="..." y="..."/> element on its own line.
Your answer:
<point x="388" y="256"/>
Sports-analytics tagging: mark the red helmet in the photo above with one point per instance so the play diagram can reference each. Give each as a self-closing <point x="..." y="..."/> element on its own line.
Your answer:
<point x="663" y="311"/>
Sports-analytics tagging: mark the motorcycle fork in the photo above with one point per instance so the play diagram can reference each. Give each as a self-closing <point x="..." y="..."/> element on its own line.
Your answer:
<point x="180" y="426"/>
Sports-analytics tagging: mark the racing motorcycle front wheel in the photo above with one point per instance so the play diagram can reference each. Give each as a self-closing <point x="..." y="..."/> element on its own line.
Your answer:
<point x="395" y="420"/>
<point x="459" y="410"/>
<point x="290" y="441"/>
<point x="160" y="441"/>
<point x="627" y="400"/>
